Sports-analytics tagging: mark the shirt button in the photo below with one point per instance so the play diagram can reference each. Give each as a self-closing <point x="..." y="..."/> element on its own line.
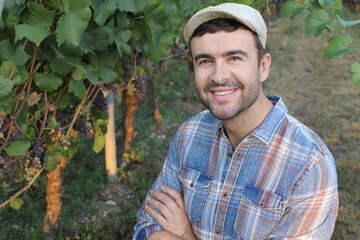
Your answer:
<point x="192" y="185"/>
<point x="261" y="204"/>
<point x="217" y="232"/>
<point x="225" y="194"/>
<point x="229" y="154"/>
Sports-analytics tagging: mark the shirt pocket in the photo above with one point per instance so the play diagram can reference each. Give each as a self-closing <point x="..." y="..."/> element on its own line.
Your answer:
<point x="195" y="187"/>
<point x="258" y="213"/>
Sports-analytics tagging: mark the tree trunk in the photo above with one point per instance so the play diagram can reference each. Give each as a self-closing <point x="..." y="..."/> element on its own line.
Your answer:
<point x="131" y="109"/>
<point x="110" y="139"/>
<point x="53" y="198"/>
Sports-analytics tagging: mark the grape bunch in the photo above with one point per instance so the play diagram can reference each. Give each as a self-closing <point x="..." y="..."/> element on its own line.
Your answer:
<point x="84" y="126"/>
<point x="14" y="133"/>
<point x="141" y="86"/>
<point x="32" y="166"/>
<point x="38" y="150"/>
<point x="58" y="136"/>
<point x="100" y="102"/>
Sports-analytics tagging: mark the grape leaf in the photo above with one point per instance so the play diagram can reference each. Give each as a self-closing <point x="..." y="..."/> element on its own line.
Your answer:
<point x="159" y="50"/>
<point x="39" y="15"/>
<point x="33" y="98"/>
<point x="134" y="6"/>
<point x="78" y="88"/>
<point x="17" y="148"/>
<point x="316" y="22"/>
<point x="326" y="3"/>
<point x="6" y="67"/>
<point x="34" y="33"/>
<point x="16" y="203"/>
<point x="107" y="75"/>
<point x="99" y="136"/>
<point x="47" y="81"/>
<point x="291" y="9"/>
<point x="338" y="45"/>
<point x="76" y="4"/>
<point x="20" y="56"/>
<point x="5" y="86"/>
<point x="52" y="159"/>
<point x="346" y="24"/>
<point x="102" y="10"/>
<point x="72" y="25"/>
<point x="6" y="50"/>
<point x="355" y="69"/>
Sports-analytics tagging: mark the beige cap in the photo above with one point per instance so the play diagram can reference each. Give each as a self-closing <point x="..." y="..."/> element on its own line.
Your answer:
<point x="244" y="14"/>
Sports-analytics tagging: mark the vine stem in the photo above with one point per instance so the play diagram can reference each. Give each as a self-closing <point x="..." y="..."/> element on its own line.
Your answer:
<point x="23" y="189"/>
<point x="43" y="123"/>
<point x="78" y="110"/>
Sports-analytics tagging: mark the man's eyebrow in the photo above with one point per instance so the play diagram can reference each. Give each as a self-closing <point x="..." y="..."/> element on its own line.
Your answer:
<point x="234" y="52"/>
<point x="202" y="55"/>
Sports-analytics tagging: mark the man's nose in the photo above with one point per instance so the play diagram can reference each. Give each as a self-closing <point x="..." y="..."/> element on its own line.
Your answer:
<point x="220" y="73"/>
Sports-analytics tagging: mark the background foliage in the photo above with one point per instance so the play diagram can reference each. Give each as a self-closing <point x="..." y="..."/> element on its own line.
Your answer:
<point x="56" y="58"/>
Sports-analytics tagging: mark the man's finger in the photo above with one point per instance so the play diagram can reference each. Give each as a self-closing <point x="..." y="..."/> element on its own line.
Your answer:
<point x="161" y="207"/>
<point x="175" y="195"/>
<point x="166" y="200"/>
<point x="157" y="216"/>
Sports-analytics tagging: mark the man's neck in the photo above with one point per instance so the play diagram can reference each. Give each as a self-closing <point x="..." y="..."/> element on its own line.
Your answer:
<point x="242" y="125"/>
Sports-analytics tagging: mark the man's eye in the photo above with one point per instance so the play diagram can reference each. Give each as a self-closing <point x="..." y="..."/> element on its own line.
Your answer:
<point x="204" y="61"/>
<point x="235" y="58"/>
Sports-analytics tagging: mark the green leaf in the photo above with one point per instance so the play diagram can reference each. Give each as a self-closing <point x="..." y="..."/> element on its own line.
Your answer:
<point x="159" y="50"/>
<point x="20" y="57"/>
<point x="77" y="4"/>
<point x="121" y="39"/>
<point x="47" y="81"/>
<point x="52" y="159"/>
<point x="72" y="25"/>
<point x="6" y="67"/>
<point x="6" y="50"/>
<point x="355" y="69"/>
<point x="346" y="24"/>
<point x="17" y="148"/>
<point x="291" y="9"/>
<point x="338" y="45"/>
<point x="78" y="73"/>
<point x="99" y="136"/>
<point x="102" y="10"/>
<point x="326" y="3"/>
<point x="134" y="6"/>
<point x="107" y="75"/>
<point x="5" y="86"/>
<point x="34" y="33"/>
<point x="316" y="22"/>
<point x="92" y="75"/>
<point x="16" y="203"/>
<point x="78" y="88"/>
<point x="39" y="15"/>
<point x="336" y="7"/>
<point x="7" y="102"/>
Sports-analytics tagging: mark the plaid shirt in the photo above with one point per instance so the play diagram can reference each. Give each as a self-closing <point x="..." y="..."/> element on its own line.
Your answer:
<point x="279" y="183"/>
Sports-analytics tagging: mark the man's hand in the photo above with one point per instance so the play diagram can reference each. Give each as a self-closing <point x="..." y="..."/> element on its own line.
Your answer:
<point x="173" y="217"/>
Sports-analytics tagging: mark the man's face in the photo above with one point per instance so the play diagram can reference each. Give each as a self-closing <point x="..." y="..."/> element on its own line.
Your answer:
<point x="227" y="75"/>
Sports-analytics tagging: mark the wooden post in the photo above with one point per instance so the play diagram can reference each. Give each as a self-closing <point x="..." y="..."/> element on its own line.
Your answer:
<point x="110" y="139"/>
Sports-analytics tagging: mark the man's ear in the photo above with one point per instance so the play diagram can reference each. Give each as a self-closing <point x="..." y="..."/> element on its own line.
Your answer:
<point x="265" y="67"/>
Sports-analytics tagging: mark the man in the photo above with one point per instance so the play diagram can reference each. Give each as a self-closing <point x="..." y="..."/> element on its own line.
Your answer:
<point x="244" y="168"/>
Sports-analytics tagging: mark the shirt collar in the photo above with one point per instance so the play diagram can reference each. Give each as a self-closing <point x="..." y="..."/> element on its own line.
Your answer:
<point x="268" y="128"/>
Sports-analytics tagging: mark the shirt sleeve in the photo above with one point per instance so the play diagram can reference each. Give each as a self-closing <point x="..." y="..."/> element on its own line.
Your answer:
<point x="312" y="209"/>
<point x="168" y="176"/>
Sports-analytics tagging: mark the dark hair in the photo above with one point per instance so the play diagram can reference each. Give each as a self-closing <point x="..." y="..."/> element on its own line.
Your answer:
<point x="227" y="25"/>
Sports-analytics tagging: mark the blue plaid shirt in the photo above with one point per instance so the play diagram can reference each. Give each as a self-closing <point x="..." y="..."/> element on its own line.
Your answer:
<point x="279" y="183"/>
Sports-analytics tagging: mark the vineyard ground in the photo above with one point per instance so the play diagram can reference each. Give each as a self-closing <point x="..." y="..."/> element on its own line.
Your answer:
<point x="318" y="92"/>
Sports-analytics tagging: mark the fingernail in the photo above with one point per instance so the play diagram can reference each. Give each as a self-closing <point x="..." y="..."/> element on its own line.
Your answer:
<point x="162" y="187"/>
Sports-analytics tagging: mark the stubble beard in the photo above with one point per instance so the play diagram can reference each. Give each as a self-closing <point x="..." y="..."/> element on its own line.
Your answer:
<point x="227" y="111"/>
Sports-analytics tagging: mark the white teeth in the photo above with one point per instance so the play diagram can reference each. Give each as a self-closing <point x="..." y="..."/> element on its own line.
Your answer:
<point x="223" y="93"/>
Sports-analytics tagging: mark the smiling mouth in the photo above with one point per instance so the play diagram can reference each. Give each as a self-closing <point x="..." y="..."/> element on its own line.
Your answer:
<point x="223" y="93"/>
